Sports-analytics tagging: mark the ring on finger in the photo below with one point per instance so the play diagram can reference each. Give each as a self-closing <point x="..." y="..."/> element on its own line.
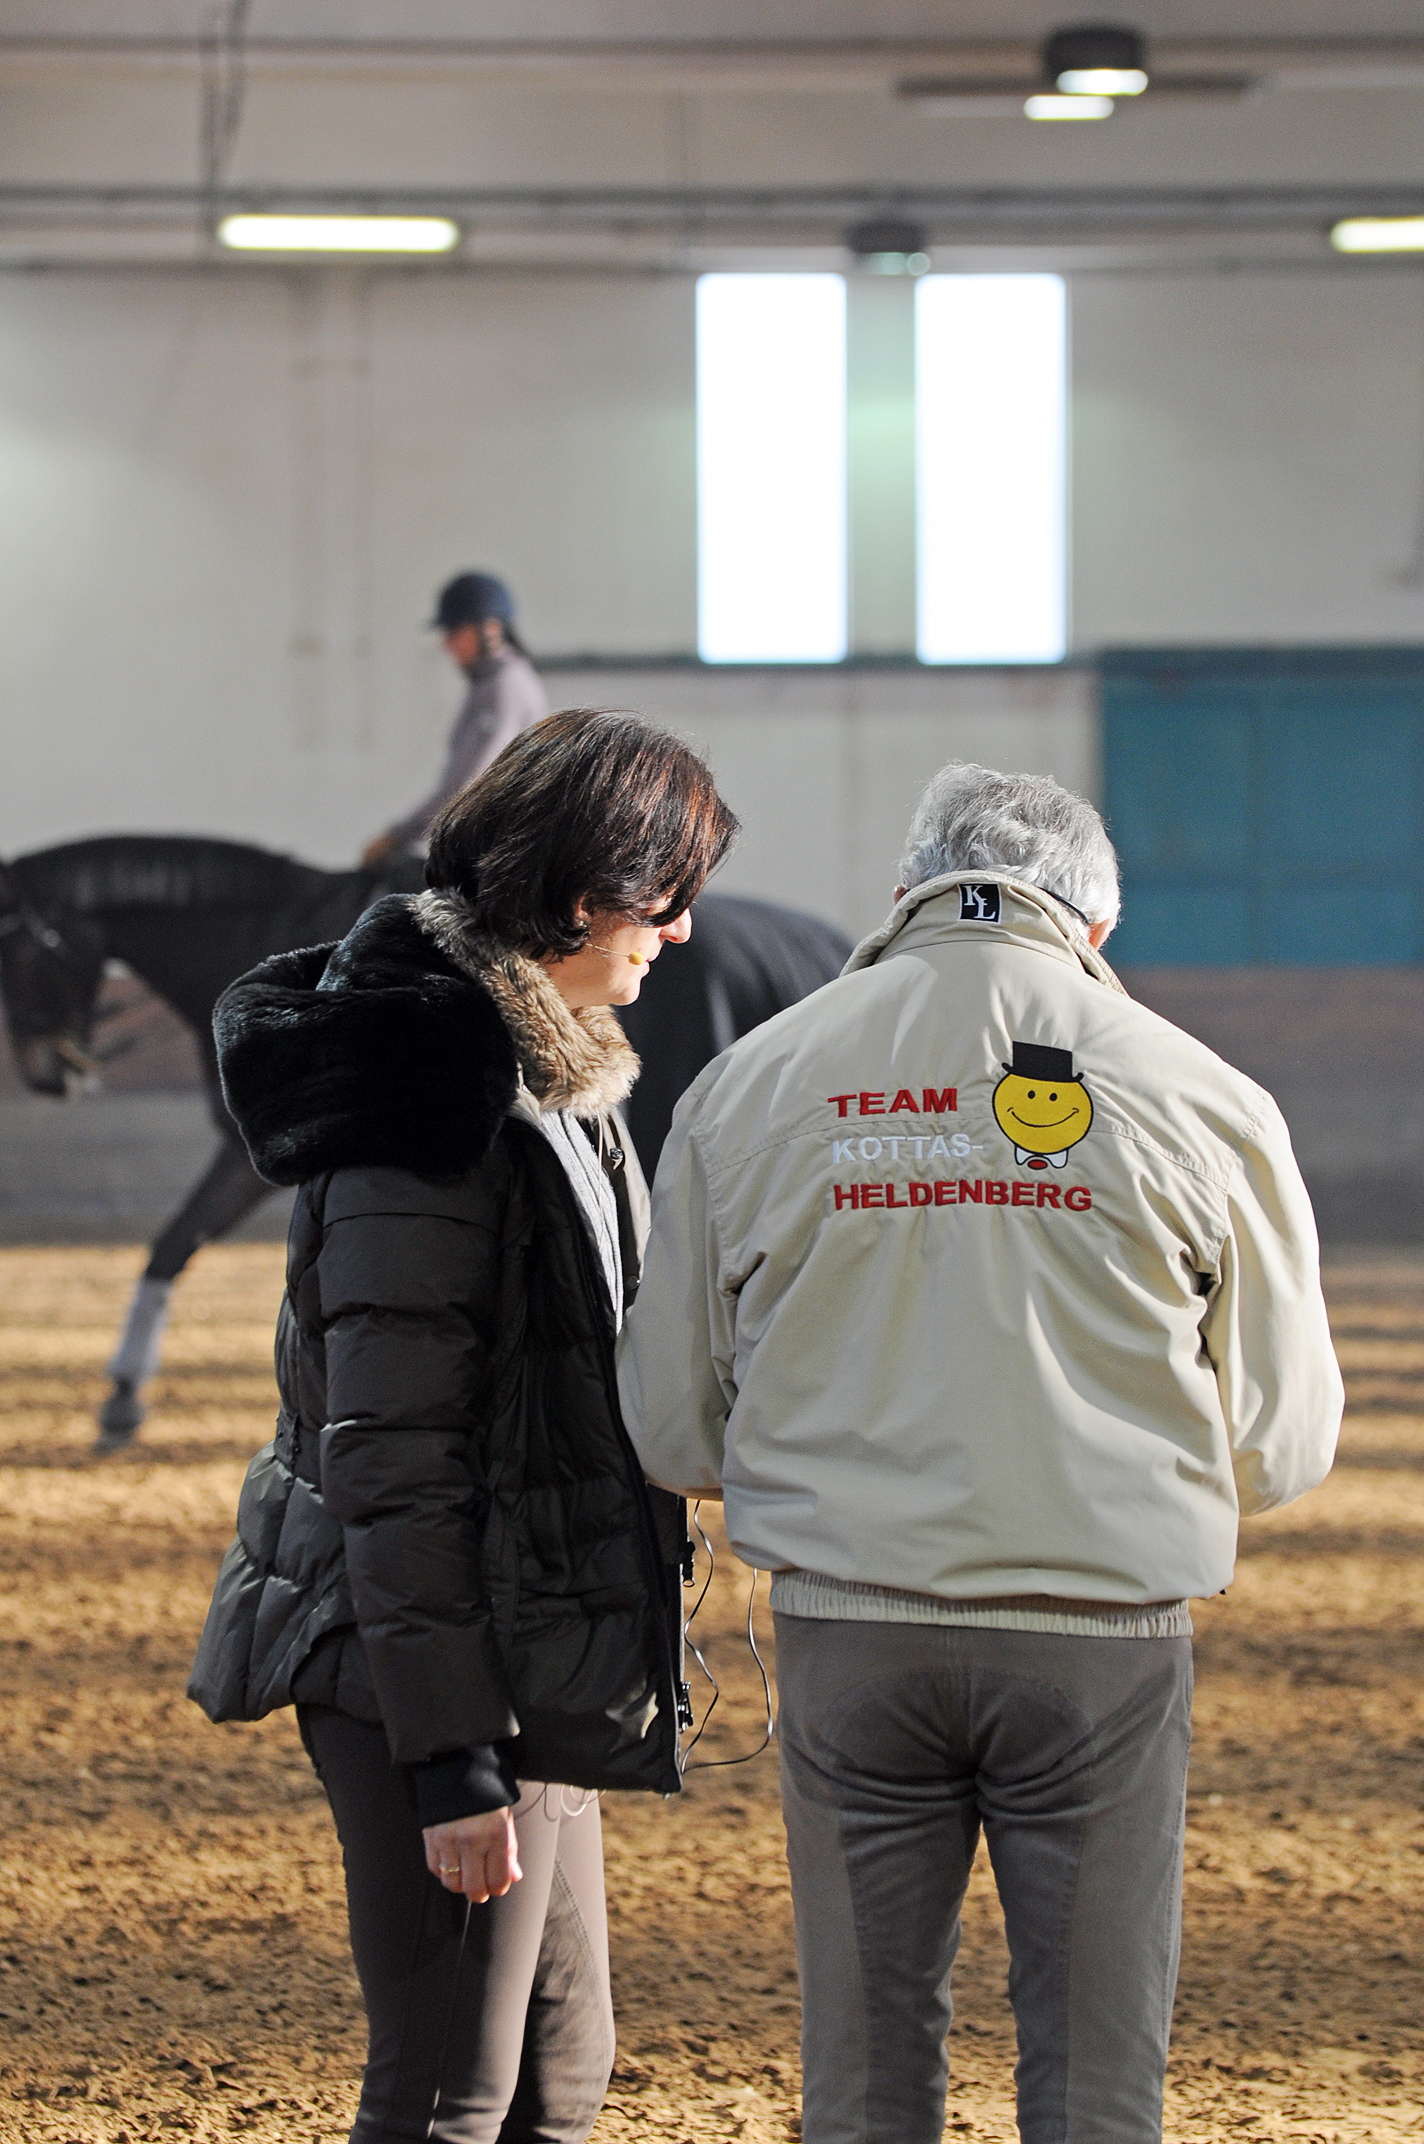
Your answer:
<point x="452" y="1870"/>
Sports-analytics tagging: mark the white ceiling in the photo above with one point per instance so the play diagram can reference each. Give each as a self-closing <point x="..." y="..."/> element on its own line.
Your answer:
<point x="713" y="19"/>
<point x="675" y="133"/>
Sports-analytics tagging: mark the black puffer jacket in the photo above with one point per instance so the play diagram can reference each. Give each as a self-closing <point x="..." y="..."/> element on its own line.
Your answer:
<point x="449" y="1533"/>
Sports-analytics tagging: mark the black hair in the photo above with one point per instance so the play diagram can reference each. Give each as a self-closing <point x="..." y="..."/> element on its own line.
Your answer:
<point x="592" y="805"/>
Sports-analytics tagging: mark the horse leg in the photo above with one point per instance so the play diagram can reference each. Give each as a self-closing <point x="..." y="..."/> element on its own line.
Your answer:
<point x="220" y="1199"/>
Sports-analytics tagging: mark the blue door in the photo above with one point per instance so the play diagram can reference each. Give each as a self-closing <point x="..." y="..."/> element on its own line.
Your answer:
<point x="1266" y="805"/>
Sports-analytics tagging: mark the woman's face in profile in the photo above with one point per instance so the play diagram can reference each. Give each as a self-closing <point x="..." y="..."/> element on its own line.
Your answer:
<point x="610" y="968"/>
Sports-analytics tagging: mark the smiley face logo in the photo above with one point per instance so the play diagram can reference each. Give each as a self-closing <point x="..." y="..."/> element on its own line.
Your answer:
<point x="1041" y="1106"/>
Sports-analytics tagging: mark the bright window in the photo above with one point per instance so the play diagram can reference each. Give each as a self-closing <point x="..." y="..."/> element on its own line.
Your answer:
<point x="771" y="468"/>
<point x="991" y="457"/>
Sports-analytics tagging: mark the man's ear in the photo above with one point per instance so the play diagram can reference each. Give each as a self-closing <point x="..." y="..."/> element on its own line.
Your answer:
<point x="1098" y="934"/>
<point x="900" y="892"/>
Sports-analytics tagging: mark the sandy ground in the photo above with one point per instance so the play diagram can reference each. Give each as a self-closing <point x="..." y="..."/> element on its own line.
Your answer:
<point x="173" y="1954"/>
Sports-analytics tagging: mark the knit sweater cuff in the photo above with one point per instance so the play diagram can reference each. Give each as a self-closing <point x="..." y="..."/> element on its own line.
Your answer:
<point x="465" y="1782"/>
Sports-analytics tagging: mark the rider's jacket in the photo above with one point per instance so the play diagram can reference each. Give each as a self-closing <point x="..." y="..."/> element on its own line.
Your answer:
<point x="969" y="1276"/>
<point x="504" y="697"/>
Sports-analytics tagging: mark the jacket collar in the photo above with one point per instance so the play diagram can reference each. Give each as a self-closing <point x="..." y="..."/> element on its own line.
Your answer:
<point x="579" y="1061"/>
<point x="1028" y="915"/>
<point x="406" y="1046"/>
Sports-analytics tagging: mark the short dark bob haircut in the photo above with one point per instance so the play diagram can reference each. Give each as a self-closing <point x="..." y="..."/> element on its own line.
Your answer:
<point x="591" y="805"/>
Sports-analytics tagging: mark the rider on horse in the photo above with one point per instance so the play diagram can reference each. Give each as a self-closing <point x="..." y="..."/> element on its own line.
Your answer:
<point x="474" y="614"/>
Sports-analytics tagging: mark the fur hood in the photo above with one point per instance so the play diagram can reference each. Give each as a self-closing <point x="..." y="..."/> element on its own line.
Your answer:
<point x="405" y="1046"/>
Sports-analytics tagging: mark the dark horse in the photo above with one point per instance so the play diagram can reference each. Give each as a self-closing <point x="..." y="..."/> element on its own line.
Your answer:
<point x="188" y="915"/>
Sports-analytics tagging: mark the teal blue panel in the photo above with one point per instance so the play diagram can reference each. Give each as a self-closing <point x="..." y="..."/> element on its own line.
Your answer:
<point x="1267" y="804"/>
<point x="1185" y="805"/>
<point x="1183" y="926"/>
<point x="1337" y="777"/>
<point x="1340" y="927"/>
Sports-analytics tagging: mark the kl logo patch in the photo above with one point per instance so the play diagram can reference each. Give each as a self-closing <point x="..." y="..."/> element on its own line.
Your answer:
<point x="1041" y="1106"/>
<point x="979" y="904"/>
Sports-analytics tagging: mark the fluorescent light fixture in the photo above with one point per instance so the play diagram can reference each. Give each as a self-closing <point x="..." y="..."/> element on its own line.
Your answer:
<point x="1379" y="234"/>
<point x="991" y="467"/>
<point x="339" y="234"/>
<point x="1102" y="81"/>
<point x="1050" y="106"/>
<point x="771" y="468"/>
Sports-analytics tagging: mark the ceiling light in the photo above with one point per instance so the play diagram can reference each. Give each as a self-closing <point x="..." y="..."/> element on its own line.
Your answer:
<point x="1051" y="106"/>
<point x="1096" y="59"/>
<point x="339" y="234"/>
<point x="1379" y="234"/>
<point x="1102" y="81"/>
<point x="889" y="245"/>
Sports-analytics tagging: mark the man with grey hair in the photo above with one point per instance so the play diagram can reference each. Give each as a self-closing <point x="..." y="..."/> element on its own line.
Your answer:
<point x="987" y="1300"/>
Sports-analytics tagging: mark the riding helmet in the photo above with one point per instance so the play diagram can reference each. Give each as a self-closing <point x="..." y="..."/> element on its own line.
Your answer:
<point x="470" y="599"/>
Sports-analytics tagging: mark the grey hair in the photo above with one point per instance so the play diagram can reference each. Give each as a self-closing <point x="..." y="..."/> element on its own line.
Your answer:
<point x="1024" y="826"/>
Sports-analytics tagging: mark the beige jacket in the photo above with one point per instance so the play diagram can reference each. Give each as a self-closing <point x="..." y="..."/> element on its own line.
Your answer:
<point x="970" y="1276"/>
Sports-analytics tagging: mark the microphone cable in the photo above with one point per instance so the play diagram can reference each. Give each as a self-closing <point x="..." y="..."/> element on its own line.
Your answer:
<point x="709" y="1764"/>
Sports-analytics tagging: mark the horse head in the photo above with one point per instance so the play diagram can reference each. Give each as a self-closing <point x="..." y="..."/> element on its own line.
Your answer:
<point x="49" y="984"/>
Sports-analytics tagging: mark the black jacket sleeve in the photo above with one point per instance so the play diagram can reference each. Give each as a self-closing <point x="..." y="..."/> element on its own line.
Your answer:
<point x="465" y="1782"/>
<point x="408" y="1281"/>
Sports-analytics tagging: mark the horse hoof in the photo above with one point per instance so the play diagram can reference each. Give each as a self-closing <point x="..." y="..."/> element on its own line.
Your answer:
<point x="119" y="1418"/>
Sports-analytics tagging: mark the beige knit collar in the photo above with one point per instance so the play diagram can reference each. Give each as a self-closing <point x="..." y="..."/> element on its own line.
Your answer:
<point x="579" y="1061"/>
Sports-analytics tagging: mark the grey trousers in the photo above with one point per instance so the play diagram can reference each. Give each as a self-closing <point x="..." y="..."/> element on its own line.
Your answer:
<point x="513" y="2025"/>
<point x="897" y="1742"/>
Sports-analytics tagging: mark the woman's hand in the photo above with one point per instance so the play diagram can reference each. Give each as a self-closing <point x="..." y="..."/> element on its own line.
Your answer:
<point x="478" y="1855"/>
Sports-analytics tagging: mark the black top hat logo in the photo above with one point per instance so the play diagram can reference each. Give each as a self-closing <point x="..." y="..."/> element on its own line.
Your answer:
<point x="1033" y="1061"/>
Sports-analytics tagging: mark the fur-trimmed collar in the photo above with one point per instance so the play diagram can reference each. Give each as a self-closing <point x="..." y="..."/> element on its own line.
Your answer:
<point x="405" y="1046"/>
<point x="580" y="1061"/>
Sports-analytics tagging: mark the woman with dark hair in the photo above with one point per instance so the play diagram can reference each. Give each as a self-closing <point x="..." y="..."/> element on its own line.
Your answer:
<point x="447" y="1558"/>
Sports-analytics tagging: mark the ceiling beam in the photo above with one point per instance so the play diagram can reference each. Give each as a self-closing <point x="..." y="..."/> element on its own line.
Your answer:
<point x="738" y="63"/>
<point x="950" y="215"/>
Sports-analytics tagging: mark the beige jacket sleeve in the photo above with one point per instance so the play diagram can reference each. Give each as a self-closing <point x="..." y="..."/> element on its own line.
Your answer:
<point x="676" y="1351"/>
<point x="1266" y="1329"/>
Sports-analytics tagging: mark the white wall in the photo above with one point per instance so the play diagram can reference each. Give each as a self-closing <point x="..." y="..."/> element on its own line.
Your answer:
<point x="227" y="497"/>
<point x="226" y="502"/>
<point x="824" y="771"/>
<point x="1248" y="457"/>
